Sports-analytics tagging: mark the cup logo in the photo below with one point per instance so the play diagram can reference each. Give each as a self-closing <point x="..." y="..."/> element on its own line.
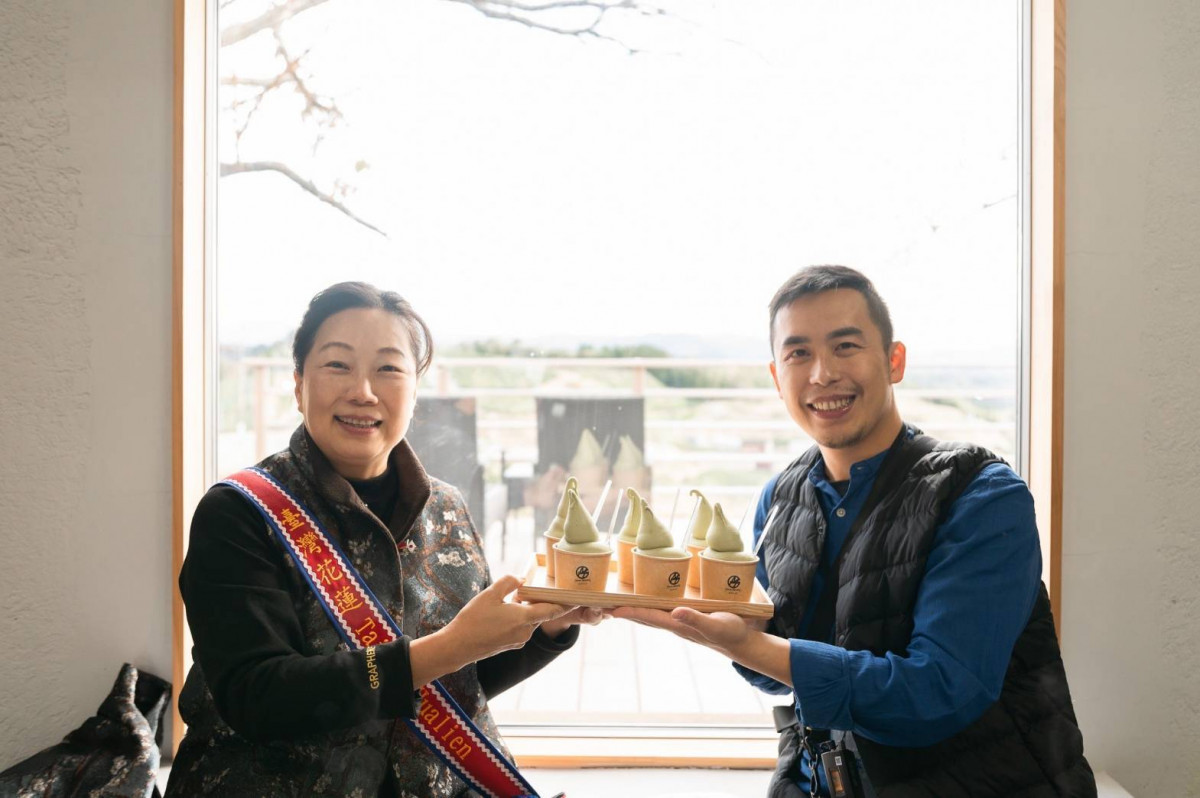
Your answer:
<point x="582" y="572"/>
<point x="734" y="582"/>
<point x="673" y="579"/>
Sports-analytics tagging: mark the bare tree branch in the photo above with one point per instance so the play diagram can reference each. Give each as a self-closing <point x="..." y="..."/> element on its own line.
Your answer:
<point x="324" y="109"/>
<point x="550" y="5"/>
<point x="525" y="13"/>
<point x="550" y="16"/>
<point x="264" y="85"/>
<point x="260" y="83"/>
<point x="499" y="10"/>
<point x="281" y="13"/>
<point x="240" y="167"/>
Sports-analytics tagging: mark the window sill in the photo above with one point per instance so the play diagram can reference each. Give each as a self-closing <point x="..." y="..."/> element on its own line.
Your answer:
<point x="540" y="747"/>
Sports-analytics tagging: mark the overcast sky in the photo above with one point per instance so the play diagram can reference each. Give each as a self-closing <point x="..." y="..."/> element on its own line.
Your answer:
<point x="534" y="184"/>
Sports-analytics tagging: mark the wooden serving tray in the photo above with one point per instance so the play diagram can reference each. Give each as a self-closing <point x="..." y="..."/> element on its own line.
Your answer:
<point x="538" y="587"/>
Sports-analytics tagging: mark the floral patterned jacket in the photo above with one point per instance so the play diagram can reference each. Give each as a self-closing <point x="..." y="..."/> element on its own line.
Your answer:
<point x="424" y="565"/>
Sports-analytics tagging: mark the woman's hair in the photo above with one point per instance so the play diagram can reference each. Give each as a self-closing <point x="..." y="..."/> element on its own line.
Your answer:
<point x="352" y="295"/>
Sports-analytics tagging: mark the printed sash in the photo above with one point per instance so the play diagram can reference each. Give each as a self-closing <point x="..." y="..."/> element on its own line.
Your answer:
<point x="362" y="621"/>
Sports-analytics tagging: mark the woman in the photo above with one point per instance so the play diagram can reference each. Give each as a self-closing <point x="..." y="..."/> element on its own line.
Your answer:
<point x="276" y="702"/>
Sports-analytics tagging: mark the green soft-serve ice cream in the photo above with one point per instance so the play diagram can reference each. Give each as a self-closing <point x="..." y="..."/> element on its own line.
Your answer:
<point x="697" y="536"/>
<point x="588" y="454"/>
<point x="627" y="539"/>
<point x="629" y="469"/>
<point x="590" y="466"/>
<point x="629" y="456"/>
<point x="726" y="569"/>
<point x="582" y="558"/>
<point x="659" y="567"/>
<point x="555" y="532"/>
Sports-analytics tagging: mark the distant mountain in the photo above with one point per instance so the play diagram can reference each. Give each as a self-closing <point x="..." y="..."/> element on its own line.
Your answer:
<point x="728" y="347"/>
<point x="740" y="347"/>
<point x="692" y="346"/>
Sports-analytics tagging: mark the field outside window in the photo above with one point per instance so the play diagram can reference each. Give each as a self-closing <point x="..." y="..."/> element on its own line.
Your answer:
<point x="592" y="209"/>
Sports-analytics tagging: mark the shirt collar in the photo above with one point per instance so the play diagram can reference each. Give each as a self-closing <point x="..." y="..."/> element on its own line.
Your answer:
<point x="863" y="469"/>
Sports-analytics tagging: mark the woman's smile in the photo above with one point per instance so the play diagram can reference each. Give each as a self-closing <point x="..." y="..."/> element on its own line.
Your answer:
<point x="358" y="425"/>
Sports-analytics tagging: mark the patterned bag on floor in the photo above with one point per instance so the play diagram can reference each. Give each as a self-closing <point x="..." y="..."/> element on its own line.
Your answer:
<point x="113" y="754"/>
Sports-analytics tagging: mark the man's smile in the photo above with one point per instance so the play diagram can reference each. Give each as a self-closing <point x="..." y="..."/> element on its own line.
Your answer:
<point x="831" y="407"/>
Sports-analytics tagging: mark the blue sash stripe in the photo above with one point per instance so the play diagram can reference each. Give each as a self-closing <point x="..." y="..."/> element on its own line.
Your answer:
<point x="483" y="738"/>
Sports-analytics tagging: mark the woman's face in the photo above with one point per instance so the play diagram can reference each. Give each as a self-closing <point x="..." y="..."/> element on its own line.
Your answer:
<point x="358" y="389"/>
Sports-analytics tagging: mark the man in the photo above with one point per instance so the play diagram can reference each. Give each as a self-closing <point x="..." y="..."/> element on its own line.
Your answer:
<point x="910" y="620"/>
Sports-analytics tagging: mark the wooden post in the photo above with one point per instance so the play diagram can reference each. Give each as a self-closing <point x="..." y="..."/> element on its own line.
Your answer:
<point x="260" y="412"/>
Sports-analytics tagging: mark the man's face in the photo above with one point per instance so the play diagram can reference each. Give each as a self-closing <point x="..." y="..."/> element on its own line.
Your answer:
<point x="833" y="374"/>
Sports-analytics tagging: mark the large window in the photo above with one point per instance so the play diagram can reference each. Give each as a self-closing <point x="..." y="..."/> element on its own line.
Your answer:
<point x="592" y="209"/>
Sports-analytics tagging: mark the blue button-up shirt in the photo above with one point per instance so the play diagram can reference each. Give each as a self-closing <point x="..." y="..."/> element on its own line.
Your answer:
<point x="981" y="581"/>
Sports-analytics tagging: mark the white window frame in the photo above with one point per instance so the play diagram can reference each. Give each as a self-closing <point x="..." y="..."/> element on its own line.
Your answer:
<point x="1040" y="422"/>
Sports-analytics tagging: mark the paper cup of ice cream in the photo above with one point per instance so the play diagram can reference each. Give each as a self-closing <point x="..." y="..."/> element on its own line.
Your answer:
<point x="659" y="569"/>
<point x="726" y="570"/>
<point x="582" y="570"/>
<point x="657" y="575"/>
<point x="581" y="560"/>
<point x="693" y="579"/>
<point x="551" y="554"/>
<point x="627" y="539"/>
<point x="555" y="532"/>
<point x="696" y="539"/>
<point x="625" y="560"/>
<point x="727" y="579"/>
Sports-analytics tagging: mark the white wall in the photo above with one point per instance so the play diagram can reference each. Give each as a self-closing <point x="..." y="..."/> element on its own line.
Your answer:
<point x="85" y="568"/>
<point x="85" y="358"/>
<point x="1131" y="569"/>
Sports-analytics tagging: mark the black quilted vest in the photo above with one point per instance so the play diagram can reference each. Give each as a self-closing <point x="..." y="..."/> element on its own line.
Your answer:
<point x="1025" y="744"/>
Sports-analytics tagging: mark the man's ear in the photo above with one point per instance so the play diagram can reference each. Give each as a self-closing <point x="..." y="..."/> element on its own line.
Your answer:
<point x="897" y="360"/>
<point x="775" y="378"/>
<point x="299" y="387"/>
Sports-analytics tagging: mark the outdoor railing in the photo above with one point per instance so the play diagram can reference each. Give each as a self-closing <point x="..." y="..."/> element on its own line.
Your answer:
<point x="734" y="434"/>
<point x="262" y="395"/>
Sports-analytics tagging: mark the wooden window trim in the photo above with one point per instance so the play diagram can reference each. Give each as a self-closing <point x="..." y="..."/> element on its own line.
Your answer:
<point x="191" y="353"/>
<point x="1046" y="290"/>
<point x="189" y="333"/>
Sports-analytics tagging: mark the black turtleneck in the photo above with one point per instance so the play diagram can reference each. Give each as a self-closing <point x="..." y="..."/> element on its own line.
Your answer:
<point x="379" y="493"/>
<point x="235" y="587"/>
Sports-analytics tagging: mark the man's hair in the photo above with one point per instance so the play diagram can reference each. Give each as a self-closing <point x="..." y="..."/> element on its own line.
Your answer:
<point x="351" y="295"/>
<point x="819" y="279"/>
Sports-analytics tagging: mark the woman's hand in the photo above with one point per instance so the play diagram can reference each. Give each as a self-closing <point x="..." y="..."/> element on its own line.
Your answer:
<point x="589" y="615"/>
<point x="486" y="625"/>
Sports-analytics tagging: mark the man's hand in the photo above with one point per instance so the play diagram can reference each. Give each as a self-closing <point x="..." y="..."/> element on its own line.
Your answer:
<point x="722" y="631"/>
<point x="743" y="640"/>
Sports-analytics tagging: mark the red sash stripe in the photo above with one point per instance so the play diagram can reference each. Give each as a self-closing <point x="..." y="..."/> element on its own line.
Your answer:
<point x="362" y="621"/>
